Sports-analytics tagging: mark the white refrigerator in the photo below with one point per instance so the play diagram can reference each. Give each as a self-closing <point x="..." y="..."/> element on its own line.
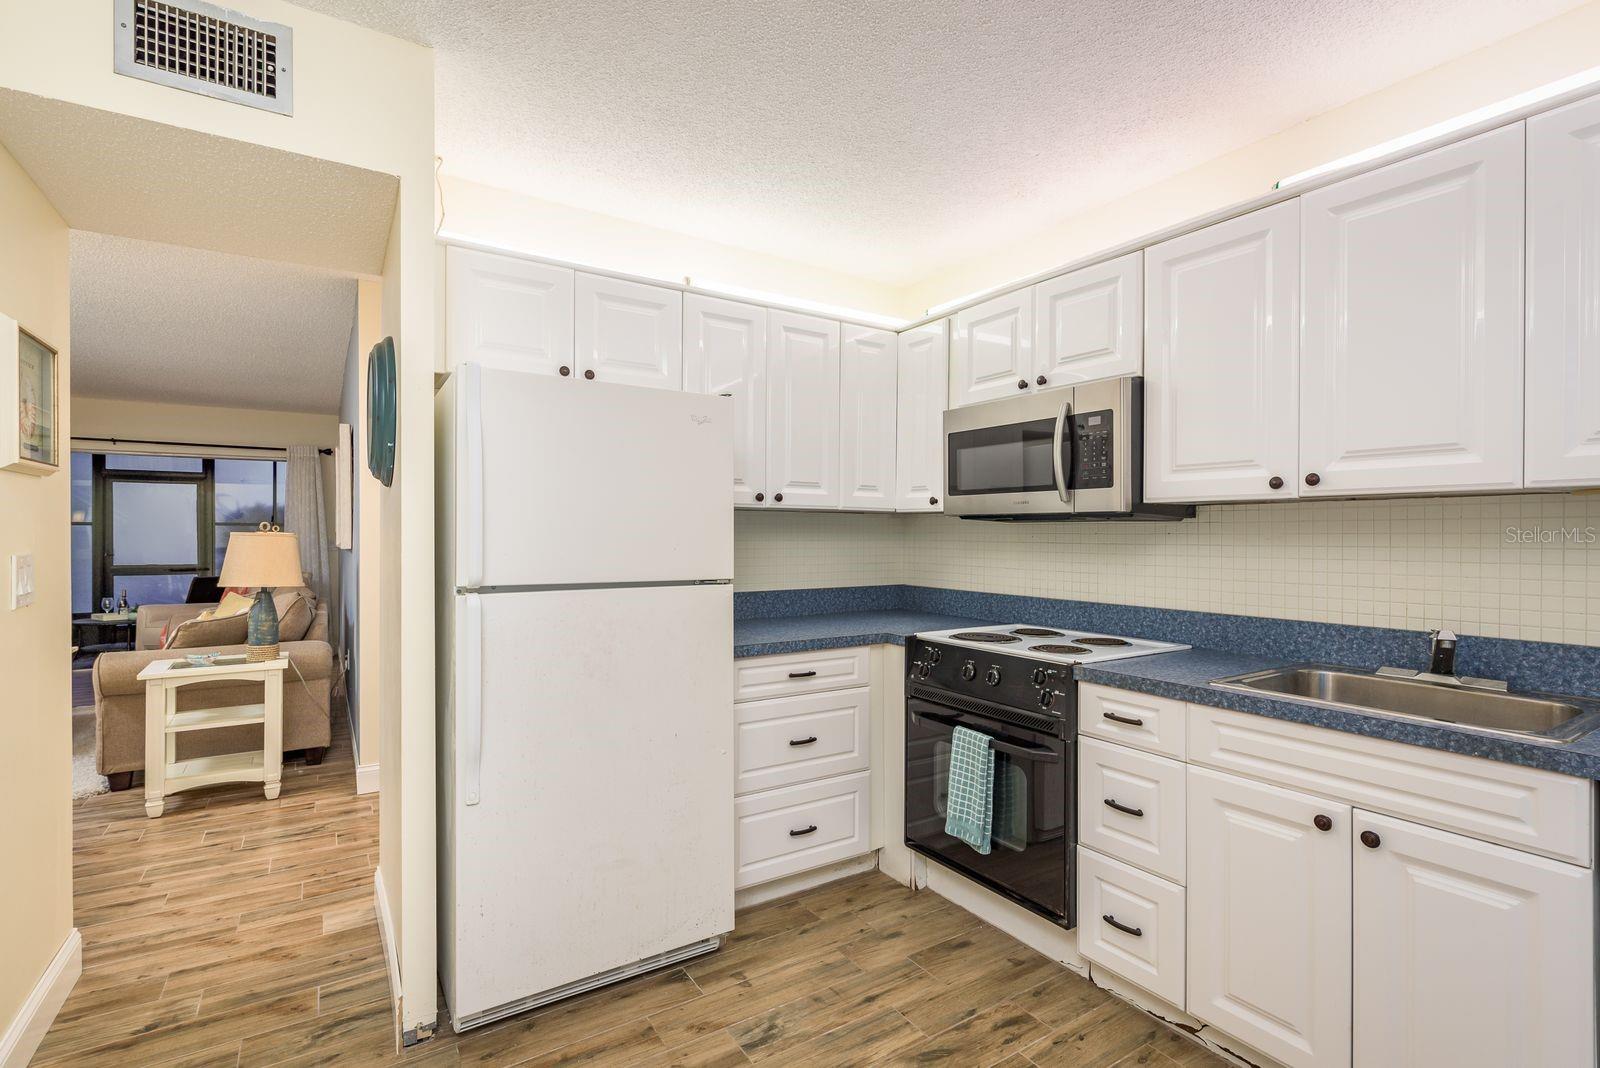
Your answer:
<point x="586" y="769"/>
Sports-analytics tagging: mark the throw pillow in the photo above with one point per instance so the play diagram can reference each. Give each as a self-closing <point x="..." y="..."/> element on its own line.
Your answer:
<point x="232" y="604"/>
<point x="295" y="620"/>
<point x="205" y="633"/>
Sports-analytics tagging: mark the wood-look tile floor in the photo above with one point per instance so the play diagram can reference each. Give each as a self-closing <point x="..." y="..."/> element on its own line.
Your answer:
<point x="238" y="931"/>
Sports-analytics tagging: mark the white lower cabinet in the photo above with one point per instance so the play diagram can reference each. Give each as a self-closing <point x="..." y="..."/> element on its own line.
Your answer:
<point x="789" y="830"/>
<point x="1132" y="923"/>
<point x="804" y="731"/>
<point x="1269" y="898"/>
<point x="1469" y="954"/>
<point x="1317" y="931"/>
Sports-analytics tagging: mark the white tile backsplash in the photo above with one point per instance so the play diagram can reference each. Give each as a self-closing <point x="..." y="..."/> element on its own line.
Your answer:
<point x="1525" y="566"/>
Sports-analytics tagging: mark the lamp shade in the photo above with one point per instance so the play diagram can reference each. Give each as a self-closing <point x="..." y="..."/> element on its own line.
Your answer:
<point x="261" y="558"/>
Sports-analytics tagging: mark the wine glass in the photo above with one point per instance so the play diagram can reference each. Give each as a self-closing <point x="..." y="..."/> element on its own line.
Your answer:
<point x="107" y="605"/>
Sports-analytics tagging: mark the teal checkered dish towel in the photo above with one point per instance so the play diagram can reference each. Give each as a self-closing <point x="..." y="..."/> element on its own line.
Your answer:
<point x="970" y="809"/>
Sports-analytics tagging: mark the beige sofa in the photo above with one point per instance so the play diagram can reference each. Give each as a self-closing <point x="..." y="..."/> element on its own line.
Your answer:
<point x="119" y="696"/>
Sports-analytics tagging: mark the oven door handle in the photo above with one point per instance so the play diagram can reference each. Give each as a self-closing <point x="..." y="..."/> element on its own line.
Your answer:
<point x="1064" y="442"/>
<point x="998" y="742"/>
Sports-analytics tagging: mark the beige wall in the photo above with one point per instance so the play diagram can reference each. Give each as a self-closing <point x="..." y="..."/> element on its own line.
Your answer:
<point x="364" y="561"/>
<point x="1535" y="57"/>
<point x="366" y="100"/>
<point x="558" y="231"/>
<point x="35" y="720"/>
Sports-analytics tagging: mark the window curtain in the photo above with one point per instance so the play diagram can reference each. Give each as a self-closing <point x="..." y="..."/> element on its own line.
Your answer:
<point x="304" y="514"/>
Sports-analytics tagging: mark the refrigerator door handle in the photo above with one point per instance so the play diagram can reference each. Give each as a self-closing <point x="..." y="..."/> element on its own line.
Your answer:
<point x="469" y="422"/>
<point x="469" y="711"/>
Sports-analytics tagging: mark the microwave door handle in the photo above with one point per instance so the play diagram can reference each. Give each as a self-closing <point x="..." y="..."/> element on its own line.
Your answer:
<point x="1064" y="445"/>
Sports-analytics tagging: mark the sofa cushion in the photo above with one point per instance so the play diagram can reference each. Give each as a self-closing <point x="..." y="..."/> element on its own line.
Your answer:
<point x="295" y="620"/>
<point x="232" y="604"/>
<point x="201" y="633"/>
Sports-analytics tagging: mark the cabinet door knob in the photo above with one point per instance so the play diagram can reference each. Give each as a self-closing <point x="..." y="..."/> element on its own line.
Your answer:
<point x="1313" y="478"/>
<point x="1323" y="823"/>
<point x="1022" y="383"/>
<point x="778" y="497"/>
<point x="1370" y="839"/>
<point x="565" y="370"/>
<point x="589" y="374"/>
<point x="761" y="496"/>
<point x="933" y="500"/>
<point x="1275" y="482"/>
<point x="1041" y="380"/>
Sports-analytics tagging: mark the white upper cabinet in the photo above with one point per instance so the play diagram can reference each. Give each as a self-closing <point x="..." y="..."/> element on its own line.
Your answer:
<point x="802" y="411"/>
<point x="1468" y="954"/>
<point x="1089" y="324"/>
<point x="1221" y="349"/>
<point x="867" y="401"/>
<point x="1563" y="359"/>
<point x="629" y="333"/>
<point x="919" y="426"/>
<point x="1269" y="935"/>
<point x="1411" y="374"/>
<point x="992" y="352"/>
<point x="725" y="351"/>
<point x="505" y="312"/>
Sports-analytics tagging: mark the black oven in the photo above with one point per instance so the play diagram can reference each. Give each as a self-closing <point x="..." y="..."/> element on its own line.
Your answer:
<point x="1034" y="836"/>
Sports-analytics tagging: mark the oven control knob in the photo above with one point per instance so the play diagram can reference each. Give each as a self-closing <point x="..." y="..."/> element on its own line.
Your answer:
<point x="1040" y="675"/>
<point x="924" y="669"/>
<point x="992" y="676"/>
<point x="1047" y="698"/>
<point x="935" y="654"/>
<point x="969" y="671"/>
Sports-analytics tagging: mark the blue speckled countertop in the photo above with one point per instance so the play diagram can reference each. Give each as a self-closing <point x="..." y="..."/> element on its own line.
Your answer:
<point x="850" y="617"/>
<point x="837" y="630"/>
<point x="1187" y="675"/>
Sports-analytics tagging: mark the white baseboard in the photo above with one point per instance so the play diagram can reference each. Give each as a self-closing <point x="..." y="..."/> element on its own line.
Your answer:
<point x="366" y="778"/>
<point x="390" y="956"/>
<point x="23" y="1035"/>
<point x="806" y="880"/>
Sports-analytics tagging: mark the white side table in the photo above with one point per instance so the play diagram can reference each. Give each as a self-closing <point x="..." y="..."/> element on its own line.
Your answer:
<point x="164" y="774"/>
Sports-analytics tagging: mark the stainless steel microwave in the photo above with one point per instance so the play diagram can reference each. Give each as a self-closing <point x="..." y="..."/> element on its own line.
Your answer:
<point x="1067" y="453"/>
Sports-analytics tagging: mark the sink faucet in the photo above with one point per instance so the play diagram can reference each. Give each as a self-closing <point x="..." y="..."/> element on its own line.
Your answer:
<point x="1442" y="652"/>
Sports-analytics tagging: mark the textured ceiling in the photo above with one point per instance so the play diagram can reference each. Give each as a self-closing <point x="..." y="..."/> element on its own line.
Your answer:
<point x="186" y="326"/>
<point x="117" y="174"/>
<point x="890" y="138"/>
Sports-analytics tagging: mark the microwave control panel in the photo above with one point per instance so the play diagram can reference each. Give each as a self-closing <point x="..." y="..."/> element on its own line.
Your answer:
<point x="1092" y="450"/>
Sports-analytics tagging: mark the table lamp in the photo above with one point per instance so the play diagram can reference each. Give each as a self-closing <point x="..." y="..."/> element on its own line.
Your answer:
<point x="265" y="558"/>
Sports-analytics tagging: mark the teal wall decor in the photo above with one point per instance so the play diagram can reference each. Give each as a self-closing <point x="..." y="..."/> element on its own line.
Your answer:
<point x="383" y="411"/>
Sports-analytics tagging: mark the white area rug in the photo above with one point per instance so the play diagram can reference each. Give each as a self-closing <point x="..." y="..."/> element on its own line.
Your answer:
<point x="86" y="781"/>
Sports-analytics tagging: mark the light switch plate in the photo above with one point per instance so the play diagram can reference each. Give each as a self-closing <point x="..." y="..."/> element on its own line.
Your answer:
<point x="21" y="580"/>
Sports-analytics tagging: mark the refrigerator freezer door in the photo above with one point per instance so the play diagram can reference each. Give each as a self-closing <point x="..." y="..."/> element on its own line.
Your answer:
<point x="603" y="828"/>
<point x="581" y="483"/>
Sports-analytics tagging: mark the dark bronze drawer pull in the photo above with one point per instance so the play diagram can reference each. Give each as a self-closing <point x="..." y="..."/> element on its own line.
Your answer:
<point x="1129" y="720"/>
<point x="801" y="674"/>
<point x="804" y="830"/>
<point x="1124" y="928"/>
<point x="802" y="741"/>
<point x="1124" y="808"/>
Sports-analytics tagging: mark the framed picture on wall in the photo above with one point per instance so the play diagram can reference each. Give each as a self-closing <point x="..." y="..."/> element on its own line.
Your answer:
<point x="30" y="402"/>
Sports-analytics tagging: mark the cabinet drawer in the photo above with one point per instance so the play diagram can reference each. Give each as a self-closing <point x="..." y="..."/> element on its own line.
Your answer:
<point x="787" y="673"/>
<point x="797" y="739"/>
<point x="1131" y="806"/>
<point x="1527" y="808"/>
<point x="795" y="828"/>
<point x="1154" y="724"/>
<point x="1150" y="952"/>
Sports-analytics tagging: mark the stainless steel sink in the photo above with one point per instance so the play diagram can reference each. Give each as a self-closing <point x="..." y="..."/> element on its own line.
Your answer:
<point x="1534" y="716"/>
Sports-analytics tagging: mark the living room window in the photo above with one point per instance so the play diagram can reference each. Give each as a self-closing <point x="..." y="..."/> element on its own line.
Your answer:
<point x="149" y="525"/>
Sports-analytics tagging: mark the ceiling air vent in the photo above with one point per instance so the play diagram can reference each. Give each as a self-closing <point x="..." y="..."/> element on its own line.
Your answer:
<point x="207" y="50"/>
